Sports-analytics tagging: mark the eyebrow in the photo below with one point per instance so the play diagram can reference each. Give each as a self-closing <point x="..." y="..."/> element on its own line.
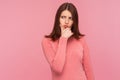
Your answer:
<point x="65" y="16"/>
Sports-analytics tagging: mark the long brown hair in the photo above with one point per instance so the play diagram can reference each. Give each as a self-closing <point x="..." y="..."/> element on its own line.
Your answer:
<point x="56" y="32"/>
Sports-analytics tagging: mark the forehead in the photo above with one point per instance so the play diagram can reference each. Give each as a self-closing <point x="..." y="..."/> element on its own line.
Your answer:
<point x="66" y="13"/>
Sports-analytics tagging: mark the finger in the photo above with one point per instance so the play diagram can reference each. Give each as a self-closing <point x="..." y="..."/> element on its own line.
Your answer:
<point x="67" y="29"/>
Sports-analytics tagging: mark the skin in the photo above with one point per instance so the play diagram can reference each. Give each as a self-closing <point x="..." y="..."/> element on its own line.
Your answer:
<point x="66" y="23"/>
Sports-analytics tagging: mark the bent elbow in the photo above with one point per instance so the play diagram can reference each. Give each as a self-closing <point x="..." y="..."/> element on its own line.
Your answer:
<point x="57" y="68"/>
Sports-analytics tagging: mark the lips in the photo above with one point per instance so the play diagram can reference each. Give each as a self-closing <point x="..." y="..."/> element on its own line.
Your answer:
<point x="65" y="26"/>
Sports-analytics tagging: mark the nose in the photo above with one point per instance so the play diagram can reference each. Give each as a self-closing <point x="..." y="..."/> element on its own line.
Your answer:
<point x="66" y="21"/>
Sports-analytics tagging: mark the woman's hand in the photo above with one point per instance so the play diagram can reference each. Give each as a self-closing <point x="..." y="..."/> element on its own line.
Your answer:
<point x="66" y="32"/>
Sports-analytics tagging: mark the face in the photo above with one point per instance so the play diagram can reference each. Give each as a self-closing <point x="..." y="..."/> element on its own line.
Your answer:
<point x="66" y="19"/>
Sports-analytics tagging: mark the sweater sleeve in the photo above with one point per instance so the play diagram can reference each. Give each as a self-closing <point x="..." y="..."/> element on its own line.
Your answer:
<point x="87" y="61"/>
<point x="55" y="59"/>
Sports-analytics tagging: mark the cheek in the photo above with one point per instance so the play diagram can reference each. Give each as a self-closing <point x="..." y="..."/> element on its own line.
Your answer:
<point x="71" y="23"/>
<point x="61" y="21"/>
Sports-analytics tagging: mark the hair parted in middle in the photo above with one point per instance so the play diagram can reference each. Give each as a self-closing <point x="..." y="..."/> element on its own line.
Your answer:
<point x="56" y="32"/>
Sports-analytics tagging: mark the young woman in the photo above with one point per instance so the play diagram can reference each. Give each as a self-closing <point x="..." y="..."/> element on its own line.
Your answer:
<point x="65" y="48"/>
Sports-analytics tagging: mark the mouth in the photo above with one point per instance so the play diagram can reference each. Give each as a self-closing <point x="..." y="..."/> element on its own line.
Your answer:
<point x="65" y="26"/>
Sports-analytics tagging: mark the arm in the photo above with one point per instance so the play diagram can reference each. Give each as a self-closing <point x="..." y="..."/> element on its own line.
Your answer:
<point x="55" y="59"/>
<point x="86" y="61"/>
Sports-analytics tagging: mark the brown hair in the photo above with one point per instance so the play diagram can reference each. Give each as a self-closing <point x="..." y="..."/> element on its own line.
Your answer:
<point x="56" y="32"/>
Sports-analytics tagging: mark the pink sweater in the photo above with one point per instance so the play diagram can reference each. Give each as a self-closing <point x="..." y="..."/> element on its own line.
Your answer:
<point x="69" y="59"/>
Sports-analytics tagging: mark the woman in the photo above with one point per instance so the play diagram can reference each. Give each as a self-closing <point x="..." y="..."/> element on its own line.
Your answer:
<point x="65" y="48"/>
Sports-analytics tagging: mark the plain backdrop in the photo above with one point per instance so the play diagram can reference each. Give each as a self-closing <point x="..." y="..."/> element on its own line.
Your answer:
<point x="23" y="23"/>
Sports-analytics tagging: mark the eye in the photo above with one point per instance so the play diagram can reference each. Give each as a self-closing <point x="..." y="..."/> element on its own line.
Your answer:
<point x="70" y="18"/>
<point x="63" y="16"/>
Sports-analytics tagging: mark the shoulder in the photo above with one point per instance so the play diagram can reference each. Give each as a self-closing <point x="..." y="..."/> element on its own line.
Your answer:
<point x="82" y="40"/>
<point x="45" y="40"/>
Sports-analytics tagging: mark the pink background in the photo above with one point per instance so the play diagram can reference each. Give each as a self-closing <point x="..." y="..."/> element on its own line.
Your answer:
<point x="24" y="22"/>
